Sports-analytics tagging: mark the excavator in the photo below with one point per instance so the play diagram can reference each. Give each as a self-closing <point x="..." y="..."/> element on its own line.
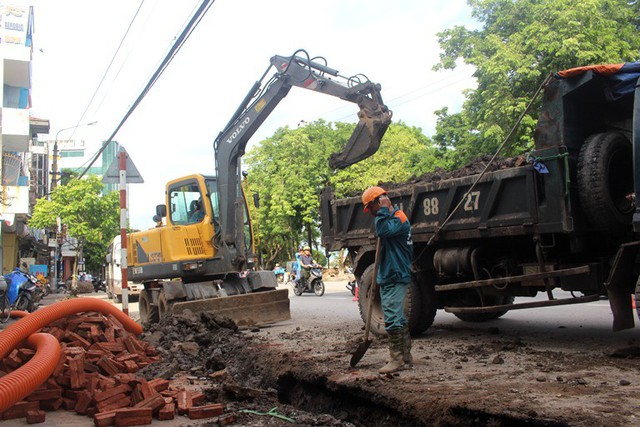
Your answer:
<point x="203" y="258"/>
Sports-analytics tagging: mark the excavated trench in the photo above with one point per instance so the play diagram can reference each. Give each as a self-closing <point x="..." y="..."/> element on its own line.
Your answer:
<point x="360" y="408"/>
<point x="253" y="376"/>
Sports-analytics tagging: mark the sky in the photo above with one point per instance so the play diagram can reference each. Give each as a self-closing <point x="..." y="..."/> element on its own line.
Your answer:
<point x="76" y="79"/>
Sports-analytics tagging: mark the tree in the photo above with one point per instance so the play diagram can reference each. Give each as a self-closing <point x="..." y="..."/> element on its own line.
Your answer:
<point x="89" y="216"/>
<point x="521" y="42"/>
<point x="290" y="169"/>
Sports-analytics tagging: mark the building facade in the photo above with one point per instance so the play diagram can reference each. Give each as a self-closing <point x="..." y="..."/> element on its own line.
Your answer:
<point x="19" y="130"/>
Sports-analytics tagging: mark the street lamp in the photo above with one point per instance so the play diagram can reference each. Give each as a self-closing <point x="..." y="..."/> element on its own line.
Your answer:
<point x="54" y="183"/>
<point x="54" y="168"/>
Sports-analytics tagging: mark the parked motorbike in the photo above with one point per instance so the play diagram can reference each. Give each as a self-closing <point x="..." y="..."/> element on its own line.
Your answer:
<point x="99" y="285"/>
<point x="42" y="283"/>
<point x="24" y="292"/>
<point x="315" y="283"/>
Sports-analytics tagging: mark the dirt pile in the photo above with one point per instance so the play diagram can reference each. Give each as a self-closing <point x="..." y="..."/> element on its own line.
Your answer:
<point x="475" y="167"/>
<point x="209" y="353"/>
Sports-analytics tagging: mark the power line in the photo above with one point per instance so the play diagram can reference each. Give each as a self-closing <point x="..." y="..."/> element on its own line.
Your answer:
<point x="184" y="36"/>
<point x="108" y="68"/>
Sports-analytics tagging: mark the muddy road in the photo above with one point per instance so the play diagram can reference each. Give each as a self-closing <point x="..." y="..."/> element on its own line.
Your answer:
<point x="531" y="367"/>
<point x="541" y="367"/>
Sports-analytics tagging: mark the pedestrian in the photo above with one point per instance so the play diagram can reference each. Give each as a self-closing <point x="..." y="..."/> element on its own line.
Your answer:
<point x="394" y="273"/>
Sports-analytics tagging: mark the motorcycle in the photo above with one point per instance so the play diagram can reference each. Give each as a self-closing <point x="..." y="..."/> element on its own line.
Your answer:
<point x="315" y="284"/>
<point x="24" y="292"/>
<point x="41" y="282"/>
<point x="98" y="285"/>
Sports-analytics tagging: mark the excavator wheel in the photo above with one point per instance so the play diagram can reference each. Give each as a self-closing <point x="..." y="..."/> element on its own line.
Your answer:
<point x="165" y="308"/>
<point x="148" y="313"/>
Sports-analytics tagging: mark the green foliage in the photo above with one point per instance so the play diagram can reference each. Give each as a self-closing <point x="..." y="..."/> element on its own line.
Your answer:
<point x="90" y="217"/>
<point x="520" y="44"/>
<point x="290" y="169"/>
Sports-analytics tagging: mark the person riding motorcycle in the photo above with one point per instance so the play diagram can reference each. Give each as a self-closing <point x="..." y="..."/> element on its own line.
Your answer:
<point x="306" y="263"/>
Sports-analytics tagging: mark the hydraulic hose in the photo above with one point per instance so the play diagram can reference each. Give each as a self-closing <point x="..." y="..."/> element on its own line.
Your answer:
<point x="20" y="383"/>
<point x="25" y="379"/>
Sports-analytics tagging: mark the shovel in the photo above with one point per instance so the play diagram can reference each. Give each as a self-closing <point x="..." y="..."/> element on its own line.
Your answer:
<point x="364" y="346"/>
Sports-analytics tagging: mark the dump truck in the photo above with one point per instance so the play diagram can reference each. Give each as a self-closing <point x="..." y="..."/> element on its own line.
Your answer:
<point x="203" y="257"/>
<point x="565" y="218"/>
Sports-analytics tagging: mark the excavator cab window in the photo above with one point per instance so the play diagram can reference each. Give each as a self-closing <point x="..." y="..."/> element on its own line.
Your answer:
<point x="186" y="204"/>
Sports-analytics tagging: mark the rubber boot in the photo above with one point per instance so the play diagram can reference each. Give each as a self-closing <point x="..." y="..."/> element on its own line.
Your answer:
<point x="395" y="352"/>
<point x="406" y="347"/>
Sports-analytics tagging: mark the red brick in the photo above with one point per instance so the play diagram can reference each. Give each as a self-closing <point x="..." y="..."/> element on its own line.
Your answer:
<point x="183" y="401"/>
<point x="198" y="398"/>
<point x="159" y="384"/>
<point x="45" y="395"/>
<point x="76" y="369"/>
<point x="51" y="405"/>
<point x="35" y="417"/>
<point x="154" y="402"/>
<point x="84" y="400"/>
<point x="103" y="395"/>
<point x="226" y="420"/>
<point x="114" y="400"/>
<point x="20" y="409"/>
<point x="207" y="411"/>
<point x="133" y="417"/>
<point x="104" y="419"/>
<point x="68" y="404"/>
<point x="168" y="412"/>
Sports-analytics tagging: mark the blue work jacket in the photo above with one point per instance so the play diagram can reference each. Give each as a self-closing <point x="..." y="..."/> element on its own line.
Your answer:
<point x="396" y="246"/>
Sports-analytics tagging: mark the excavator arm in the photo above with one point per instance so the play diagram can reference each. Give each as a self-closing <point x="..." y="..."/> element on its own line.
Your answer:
<point x="264" y="96"/>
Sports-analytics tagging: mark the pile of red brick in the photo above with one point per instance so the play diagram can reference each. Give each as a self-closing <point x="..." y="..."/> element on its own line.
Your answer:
<point x="96" y="377"/>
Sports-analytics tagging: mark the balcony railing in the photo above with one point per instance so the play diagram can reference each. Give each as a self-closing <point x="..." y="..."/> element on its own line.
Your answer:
<point x="14" y="169"/>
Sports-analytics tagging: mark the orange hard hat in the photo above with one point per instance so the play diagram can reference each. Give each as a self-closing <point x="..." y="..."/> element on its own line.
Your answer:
<point x="370" y="194"/>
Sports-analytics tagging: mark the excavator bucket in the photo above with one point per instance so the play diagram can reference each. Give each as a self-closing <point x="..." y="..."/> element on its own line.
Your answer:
<point x="246" y="310"/>
<point x="364" y="141"/>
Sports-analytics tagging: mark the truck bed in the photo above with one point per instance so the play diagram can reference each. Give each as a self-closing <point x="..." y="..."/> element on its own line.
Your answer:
<point x="510" y="202"/>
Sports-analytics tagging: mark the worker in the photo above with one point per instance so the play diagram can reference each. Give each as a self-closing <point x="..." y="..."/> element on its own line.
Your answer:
<point x="394" y="273"/>
<point x="196" y="213"/>
<point x="306" y="263"/>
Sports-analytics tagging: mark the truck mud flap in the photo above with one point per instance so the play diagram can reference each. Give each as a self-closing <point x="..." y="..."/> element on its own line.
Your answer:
<point x="620" y="285"/>
<point x="246" y="310"/>
<point x="534" y="304"/>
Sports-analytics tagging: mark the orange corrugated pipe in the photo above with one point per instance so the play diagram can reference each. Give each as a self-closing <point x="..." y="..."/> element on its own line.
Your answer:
<point x="20" y="383"/>
<point x="28" y="377"/>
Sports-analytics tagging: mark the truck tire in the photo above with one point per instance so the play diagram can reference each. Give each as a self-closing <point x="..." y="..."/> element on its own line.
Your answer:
<point x="412" y="306"/>
<point x="605" y="178"/>
<point x="149" y="314"/>
<point x="428" y="302"/>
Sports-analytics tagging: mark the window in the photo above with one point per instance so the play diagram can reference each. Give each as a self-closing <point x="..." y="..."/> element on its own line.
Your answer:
<point x="186" y="204"/>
